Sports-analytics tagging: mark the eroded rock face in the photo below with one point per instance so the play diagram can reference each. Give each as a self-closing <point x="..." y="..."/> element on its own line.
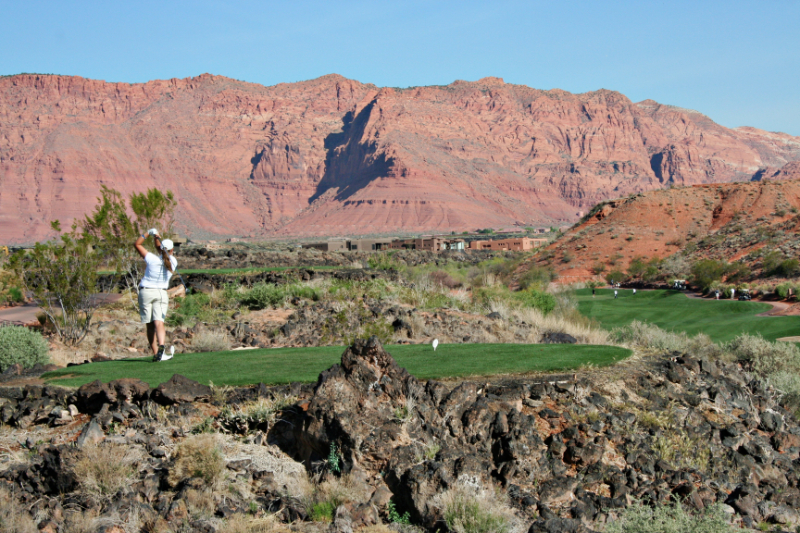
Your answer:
<point x="334" y="156"/>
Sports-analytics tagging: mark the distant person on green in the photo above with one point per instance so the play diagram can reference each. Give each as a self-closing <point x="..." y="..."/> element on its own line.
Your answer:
<point x="153" y="297"/>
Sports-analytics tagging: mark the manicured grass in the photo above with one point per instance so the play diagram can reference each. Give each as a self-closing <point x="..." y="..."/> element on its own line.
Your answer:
<point x="285" y="365"/>
<point x="672" y="310"/>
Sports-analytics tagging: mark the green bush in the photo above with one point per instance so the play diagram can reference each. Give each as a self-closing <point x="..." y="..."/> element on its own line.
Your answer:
<point x="322" y="511"/>
<point x="771" y="262"/>
<point x="537" y="277"/>
<point x="543" y="301"/>
<point x="20" y="345"/>
<point x="637" y="267"/>
<point x="616" y="276"/>
<point x="707" y="271"/>
<point x="639" y="518"/>
<point x="187" y="309"/>
<point x="782" y="290"/>
<point x="263" y="295"/>
<point x="383" y="261"/>
<point x="15" y="295"/>
<point x="789" y="267"/>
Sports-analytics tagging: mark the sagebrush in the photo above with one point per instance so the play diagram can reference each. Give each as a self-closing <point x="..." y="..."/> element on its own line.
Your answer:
<point x="23" y="346"/>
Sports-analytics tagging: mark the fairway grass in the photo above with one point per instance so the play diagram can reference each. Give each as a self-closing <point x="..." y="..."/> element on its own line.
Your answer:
<point x="286" y="365"/>
<point x="722" y="320"/>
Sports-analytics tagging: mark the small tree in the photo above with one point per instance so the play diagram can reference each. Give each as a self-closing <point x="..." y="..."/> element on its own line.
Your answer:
<point x="62" y="276"/>
<point x="112" y="231"/>
<point x="616" y="276"/>
<point x="636" y="267"/>
<point x="707" y="271"/>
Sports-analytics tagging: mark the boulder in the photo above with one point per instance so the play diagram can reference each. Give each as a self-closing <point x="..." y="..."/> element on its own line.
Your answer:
<point x="180" y="389"/>
<point x="557" y="337"/>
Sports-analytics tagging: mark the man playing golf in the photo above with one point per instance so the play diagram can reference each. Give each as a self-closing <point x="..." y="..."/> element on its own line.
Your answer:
<point x="153" y="297"/>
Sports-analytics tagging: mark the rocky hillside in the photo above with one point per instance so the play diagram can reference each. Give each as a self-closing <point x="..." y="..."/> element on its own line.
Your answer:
<point x="333" y="156"/>
<point x="732" y="222"/>
<point x="546" y="454"/>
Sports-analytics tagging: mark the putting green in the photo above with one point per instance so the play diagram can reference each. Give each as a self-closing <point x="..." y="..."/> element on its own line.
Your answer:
<point x="285" y="365"/>
<point x="722" y="320"/>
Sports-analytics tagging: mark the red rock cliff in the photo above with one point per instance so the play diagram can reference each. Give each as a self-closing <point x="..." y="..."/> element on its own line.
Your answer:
<point x="334" y="156"/>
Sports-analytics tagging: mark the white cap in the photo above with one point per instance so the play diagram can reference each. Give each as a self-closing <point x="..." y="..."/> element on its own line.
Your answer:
<point x="167" y="244"/>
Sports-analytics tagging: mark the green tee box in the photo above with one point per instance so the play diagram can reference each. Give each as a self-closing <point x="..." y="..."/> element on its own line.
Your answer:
<point x="285" y="365"/>
<point x="722" y="320"/>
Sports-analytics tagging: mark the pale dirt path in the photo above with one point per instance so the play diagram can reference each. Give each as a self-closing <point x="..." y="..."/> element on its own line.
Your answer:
<point x="26" y="314"/>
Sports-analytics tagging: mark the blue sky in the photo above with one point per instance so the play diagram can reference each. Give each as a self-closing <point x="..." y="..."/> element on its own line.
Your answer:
<point x="738" y="62"/>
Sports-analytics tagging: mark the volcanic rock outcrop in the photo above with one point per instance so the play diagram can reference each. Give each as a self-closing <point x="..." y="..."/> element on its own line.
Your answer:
<point x="333" y="156"/>
<point x="568" y="454"/>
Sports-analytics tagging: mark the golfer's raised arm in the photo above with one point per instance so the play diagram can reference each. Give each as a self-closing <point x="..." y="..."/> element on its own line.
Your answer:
<point x="139" y="245"/>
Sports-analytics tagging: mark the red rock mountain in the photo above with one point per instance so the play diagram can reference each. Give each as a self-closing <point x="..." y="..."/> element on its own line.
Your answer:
<point x="333" y="156"/>
<point x="724" y="221"/>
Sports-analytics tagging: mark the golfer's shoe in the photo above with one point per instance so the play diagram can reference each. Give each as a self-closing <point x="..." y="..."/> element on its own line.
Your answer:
<point x="159" y="355"/>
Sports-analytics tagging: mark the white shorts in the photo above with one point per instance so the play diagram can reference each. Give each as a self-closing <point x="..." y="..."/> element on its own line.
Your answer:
<point x="153" y="304"/>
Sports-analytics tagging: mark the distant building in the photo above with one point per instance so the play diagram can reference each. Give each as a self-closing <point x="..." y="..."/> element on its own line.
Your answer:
<point x="337" y="245"/>
<point x="370" y="244"/>
<point x="521" y="244"/>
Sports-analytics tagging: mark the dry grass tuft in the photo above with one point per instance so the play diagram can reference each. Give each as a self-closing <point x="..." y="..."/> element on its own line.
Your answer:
<point x="469" y="508"/>
<point x="13" y="517"/>
<point x="105" y="470"/>
<point x="211" y="340"/>
<point x="199" y="457"/>
<point x="245" y="524"/>
<point x="583" y="331"/>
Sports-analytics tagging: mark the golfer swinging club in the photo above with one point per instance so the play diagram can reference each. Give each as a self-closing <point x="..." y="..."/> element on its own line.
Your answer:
<point x="153" y="297"/>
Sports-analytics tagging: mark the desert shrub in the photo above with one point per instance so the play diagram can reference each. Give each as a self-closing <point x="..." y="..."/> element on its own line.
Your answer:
<point x="767" y="357"/>
<point x="468" y="509"/>
<point x="13" y="518"/>
<point x="444" y="279"/>
<point x="771" y="262"/>
<point x="23" y="346"/>
<point x="782" y="289"/>
<point x="598" y="268"/>
<point x="707" y="271"/>
<point x="675" y="266"/>
<point x="187" y="309"/>
<point x="639" y="518"/>
<point x="263" y="295"/>
<point x="537" y="277"/>
<point x="616" y="276"/>
<point x="650" y="337"/>
<point x="104" y="470"/>
<point x="322" y="500"/>
<point x="383" y="261"/>
<point x="789" y="267"/>
<point x="737" y="272"/>
<point x="543" y="301"/>
<point x="637" y="267"/>
<point x="199" y="457"/>
<point x="216" y="340"/>
<point x="15" y="295"/>
<point x="258" y="415"/>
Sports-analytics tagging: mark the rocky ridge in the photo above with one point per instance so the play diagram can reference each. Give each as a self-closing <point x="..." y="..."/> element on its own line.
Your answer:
<point x="733" y="222"/>
<point x="333" y="156"/>
<point x="569" y="453"/>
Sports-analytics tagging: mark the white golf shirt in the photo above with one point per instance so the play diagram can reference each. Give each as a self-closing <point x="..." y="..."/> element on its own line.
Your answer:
<point x="156" y="275"/>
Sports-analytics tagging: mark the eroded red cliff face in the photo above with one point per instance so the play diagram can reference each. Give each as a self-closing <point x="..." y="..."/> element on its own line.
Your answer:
<point x="334" y="156"/>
